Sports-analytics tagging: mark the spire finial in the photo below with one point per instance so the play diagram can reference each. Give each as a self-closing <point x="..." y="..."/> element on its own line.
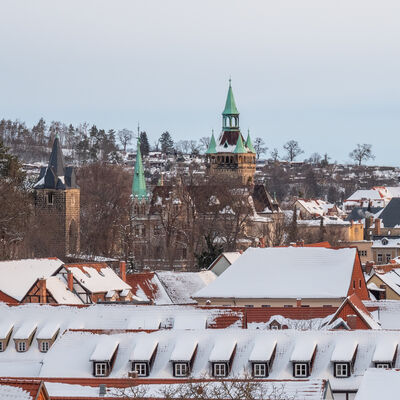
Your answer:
<point x="138" y="130"/>
<point x="230" y="80"/>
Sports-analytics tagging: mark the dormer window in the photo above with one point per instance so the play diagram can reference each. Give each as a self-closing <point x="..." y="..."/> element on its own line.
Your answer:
<point x="21" y="347"/>
<point x="342" y="370"/>
<point x="300" y="370"/>
<point x="101" y="369"/>
<point x="44" y="346"/>
<point x="220" y="370"/>
<point x="181" y="369"/>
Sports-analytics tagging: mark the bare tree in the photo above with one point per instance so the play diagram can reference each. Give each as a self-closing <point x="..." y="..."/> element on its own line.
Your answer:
<point x="363" y="152"/>
<point x="183" y="146"/>
<point x="275" y="154"/>
<point x="125" y="137"/>
<point x="293" y="150"/>
<point x="260" y="147"/>
<point x="204" y="143"/>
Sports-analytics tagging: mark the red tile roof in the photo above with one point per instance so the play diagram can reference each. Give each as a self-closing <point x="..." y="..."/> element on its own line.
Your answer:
<point x="144" y="281"/>
<point x="32" y="386"/>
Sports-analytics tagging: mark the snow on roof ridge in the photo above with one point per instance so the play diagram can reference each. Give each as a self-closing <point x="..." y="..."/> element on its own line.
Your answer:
<point x="105" y="349"/>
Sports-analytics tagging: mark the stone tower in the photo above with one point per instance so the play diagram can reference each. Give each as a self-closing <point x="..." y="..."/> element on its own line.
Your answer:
<point x="57" y="204"/>
<point x="232" y="156"/>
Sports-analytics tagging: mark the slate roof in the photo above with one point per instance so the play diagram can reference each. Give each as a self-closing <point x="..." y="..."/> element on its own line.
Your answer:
<point x="56" y="175"/>
<point x="390" y="216"/>
<point x="359" y="213"/>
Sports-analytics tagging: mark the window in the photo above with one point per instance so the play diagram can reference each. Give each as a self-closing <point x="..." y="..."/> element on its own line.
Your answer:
<point x="388" y="257"/>
<point x="141" y="369"/>
<point x="101" y="369"/>
<point x="1" y="346"/>
<point x="359" y="283"/>
<point x="181" y="369"/>
<point x="259" y="370"/>
<point x="342" y="370"/>
<point x="300" y="370"/>
<point x="265" y="305"/>
<point x="363" y="253"/>
<point x="50" y="198"/>
<point x="380" y="258"/>
<point x="382" y="365"/>
<point x="219" y="369"/>
<point x="354" y="284"/>
<point x="327" y="305"/>
<point x="21" y="346"/>
<point x="44" y="347"/>
<point x="249" y="305"/>
<point x="287" y="306"/>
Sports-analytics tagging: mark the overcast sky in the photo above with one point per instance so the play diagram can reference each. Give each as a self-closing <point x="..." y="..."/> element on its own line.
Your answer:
<point x="326" y="73"/>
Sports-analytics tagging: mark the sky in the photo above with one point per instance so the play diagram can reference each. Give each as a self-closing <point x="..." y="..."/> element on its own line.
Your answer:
<point x="324" y="73"/>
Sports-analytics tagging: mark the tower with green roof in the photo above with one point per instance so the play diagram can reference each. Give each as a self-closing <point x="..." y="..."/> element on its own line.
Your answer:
<point x="140" y="196"/>
<point x="231" y="155"/>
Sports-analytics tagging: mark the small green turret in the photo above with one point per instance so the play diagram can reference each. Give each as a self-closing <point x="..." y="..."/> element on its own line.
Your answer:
<point x="249" y="144"/>
<point x="212" y="147"/>
<point x="239" y="149"/>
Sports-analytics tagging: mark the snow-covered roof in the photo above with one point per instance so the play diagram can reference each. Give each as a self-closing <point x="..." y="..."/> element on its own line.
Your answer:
<point x="97" y="279"/>
<point x="387" y="313"/>
<point x="58" y="288"/>
<point x="180" y="286"/>
<point x="344" y="350"/>
<point x="148" y="322"/>
<point x="184" y="350"/>
<point x="231" y="256"/>
<point x="285" y="272"/>
<point x="144" y="348"/>
<point x="391" y="279"/>
<point x="194" y="321"/>
<point x="13" y="393"/>
<point x="223" y="349"/>
<point x="105" y="348"/>
<point x="378" y="383"/>
<point x="18" y="276"/>
<point x="48" y="331"/>
<point x="385" y="351"/>
<point x="386" y="242"/>
<point x="75" y="349"/>
<point x="25" y="330"/>
<point x="361" y="194"/>
<point x="5" y="328"/>
<point x="303" y="350"/>
<point x="262" y="350"/>
<point x="315" y="206"/>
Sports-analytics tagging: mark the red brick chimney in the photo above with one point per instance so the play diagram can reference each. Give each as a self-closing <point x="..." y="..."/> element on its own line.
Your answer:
<point x="368" y="267"/>
<point x="352" y="321"/>
<point x="298" y="302"/>
<point x="122" y="270"/>
<point x="262" y="242"/>
<point x="70" y="279"/>
<point x="300" y="243"/>
<point x="377" y="226"/>
<point x="42" y="291"/>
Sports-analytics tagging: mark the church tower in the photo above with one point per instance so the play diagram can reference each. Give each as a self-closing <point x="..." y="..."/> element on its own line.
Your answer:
<point x="57" y="204"/>
<point x="140" y="197"/>
<point x="231" y="156"/>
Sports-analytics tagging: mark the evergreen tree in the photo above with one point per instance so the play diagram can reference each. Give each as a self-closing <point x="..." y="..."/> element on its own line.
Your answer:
<point x="144" y="144"/>
<point x="209" y="254"/>
<point x="10" y="167"/>
<point x="322" y="230"/>
<point x="39" y="132"/>
<point x="166" y="143"/>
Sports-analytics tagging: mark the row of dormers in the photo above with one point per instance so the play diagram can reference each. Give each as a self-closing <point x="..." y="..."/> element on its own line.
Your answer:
<point x="23" y="337"/>
<point x="221" y="358"/>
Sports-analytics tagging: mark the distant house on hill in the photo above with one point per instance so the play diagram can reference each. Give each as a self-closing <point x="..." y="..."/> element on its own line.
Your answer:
<point x="288" y="277"/>
<point x="315" y="208"/>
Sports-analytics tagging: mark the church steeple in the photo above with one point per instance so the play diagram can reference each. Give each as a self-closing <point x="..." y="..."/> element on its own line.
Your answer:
<point x="139" y="183"/>
<point x="249" y="144"/>
<point x="230" y="115"/>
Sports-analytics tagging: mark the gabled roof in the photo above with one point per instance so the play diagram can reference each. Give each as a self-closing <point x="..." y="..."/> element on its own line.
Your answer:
<point x="18" y="276"/>
<point x="97" y="277"/>
<point x="289" y="272"/>
<point x="212" y="147"/>
<point x="359" y="309"/>
<point x="379" y="383"/>
<point x="105" y="349"/>
<point x="22" y="389"/>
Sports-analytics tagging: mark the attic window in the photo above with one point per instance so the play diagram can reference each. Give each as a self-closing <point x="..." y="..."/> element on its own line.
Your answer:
<point x="50" y="198"/>
<point x="101" y="369"/>
<point x="1" y="346"/>
<point x="21" y="347"/>
<point x="44" y="346"/>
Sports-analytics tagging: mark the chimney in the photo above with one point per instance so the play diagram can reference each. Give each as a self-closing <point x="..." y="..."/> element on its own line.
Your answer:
<point x="352" y="321"/>
<point x="262" y="242"/>
<point x="300" y="243"/>
<point x="102" y="390"/>
<point x="122" y="270"/>
<point x="298" y="302"/>
<point x="377" y="226"/>
<point x="70" y="279"/>
<point x="42" y="291"/>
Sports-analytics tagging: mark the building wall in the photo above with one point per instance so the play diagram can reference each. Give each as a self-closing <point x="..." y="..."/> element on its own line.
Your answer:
<point x="364" y="248"/>
<point x="357" y="284"/>
<point x="386" y="252"/>
<point x="61" y="220"/>
<point x="356" y="232"/>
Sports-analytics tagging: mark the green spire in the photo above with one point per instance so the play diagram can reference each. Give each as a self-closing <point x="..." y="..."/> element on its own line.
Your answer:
<point x="139" y="183"/>
<point x="212" y="147"/>
<point x="249" y="144"/>
<point x="230" y="105"/>
<point x="239" y="149"/>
